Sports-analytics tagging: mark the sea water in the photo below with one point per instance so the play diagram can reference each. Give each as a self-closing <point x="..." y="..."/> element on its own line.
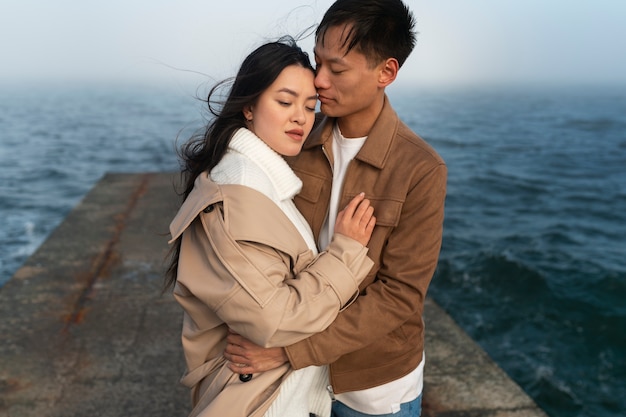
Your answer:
<point x="533" y="263"/>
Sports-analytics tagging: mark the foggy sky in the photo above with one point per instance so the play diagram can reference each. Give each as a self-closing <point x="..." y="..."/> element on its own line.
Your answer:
<point x="459" y="41"/>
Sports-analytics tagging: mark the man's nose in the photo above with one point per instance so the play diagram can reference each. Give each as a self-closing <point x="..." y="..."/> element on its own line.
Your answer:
<point x="321" y="79"/>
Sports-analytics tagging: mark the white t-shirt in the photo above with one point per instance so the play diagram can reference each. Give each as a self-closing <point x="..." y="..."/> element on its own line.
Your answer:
<point x="344" y="151"/>
<point x="386" y="398"/>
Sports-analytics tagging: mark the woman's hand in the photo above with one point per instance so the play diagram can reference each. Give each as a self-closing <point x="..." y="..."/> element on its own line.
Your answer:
<point x="357" y="220"/>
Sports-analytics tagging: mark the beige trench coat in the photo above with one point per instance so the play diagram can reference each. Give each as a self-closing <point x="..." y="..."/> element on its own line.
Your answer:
<point x="244" y="265"/>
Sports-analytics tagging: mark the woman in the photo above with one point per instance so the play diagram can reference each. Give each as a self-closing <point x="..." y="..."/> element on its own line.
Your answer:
<point x="245" y="259"/>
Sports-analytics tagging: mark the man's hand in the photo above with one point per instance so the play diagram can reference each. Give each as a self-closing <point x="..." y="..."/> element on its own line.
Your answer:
<point x="248" y="358"/>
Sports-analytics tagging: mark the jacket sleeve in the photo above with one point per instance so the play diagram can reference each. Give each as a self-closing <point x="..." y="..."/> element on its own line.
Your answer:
<point x="262" y="293"/>
<point x="401" y="282"/>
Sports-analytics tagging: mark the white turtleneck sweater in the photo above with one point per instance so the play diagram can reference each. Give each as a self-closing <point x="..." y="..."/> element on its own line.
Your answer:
<point x="251" y="162"/>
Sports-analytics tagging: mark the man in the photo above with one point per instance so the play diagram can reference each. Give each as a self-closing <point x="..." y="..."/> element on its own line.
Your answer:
<point x="375" y="346"/>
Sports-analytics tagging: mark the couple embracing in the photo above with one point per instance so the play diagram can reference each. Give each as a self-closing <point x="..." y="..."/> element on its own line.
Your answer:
<point x="305" y="243"/>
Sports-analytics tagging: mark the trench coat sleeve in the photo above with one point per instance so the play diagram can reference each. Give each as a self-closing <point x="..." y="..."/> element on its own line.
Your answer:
<point x="270" y="294"/>
<point x="401" y="282"/>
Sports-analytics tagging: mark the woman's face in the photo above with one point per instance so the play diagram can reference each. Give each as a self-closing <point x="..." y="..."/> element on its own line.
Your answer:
<point x="283" y="115"/>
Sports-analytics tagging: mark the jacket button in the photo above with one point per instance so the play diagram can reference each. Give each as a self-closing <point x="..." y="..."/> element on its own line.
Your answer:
<point x="208" y="209"/>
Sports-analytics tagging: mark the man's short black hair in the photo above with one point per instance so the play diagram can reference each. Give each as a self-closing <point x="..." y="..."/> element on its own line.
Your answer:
<point x="379" y="29"/>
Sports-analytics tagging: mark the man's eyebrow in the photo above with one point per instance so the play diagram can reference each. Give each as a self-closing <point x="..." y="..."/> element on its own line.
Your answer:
<point x="333" y="60"/>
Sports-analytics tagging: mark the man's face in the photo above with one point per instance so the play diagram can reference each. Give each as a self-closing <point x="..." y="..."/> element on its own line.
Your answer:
<point x="347" y="84"/>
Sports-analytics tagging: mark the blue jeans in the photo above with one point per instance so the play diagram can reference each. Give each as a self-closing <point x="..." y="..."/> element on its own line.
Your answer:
<point x="410" y="409"/>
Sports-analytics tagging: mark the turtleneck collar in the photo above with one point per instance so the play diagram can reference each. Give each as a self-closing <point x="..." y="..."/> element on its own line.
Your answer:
<point x="285" y="181"/>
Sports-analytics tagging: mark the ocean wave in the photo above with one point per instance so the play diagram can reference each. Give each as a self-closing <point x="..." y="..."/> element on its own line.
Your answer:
<point x="599" y="125"/>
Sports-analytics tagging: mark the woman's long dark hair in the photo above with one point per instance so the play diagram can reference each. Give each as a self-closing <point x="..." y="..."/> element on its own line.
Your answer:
<point x="204" y="150"/>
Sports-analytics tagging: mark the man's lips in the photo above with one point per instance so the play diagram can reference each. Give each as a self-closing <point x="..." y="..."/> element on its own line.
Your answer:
<point x="324" y="99"/>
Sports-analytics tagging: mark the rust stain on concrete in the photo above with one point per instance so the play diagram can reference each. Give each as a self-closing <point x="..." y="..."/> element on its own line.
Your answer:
<point x="103" y="262"/>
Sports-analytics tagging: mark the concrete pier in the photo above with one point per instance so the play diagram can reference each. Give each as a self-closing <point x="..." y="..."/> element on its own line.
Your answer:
<point x="85" y="329"/>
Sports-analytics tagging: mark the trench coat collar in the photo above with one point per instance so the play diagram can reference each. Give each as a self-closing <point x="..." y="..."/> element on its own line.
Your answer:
<point x="204" y="193"/>
<point x="377" y="146"/>
<point x="251" y="208"/>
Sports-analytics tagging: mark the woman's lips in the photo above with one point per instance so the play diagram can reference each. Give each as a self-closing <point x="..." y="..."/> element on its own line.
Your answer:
<point x="295" y="134"/>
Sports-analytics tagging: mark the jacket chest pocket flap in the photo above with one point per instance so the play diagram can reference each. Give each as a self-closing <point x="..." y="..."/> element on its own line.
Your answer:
<point x="387" y="211"/>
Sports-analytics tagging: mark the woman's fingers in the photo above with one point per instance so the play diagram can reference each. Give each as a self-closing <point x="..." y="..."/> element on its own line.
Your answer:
<point x="353" y="205"/>
<point x="355" y="220"/>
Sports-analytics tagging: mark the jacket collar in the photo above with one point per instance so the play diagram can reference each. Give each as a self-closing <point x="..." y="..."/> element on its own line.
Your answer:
<point x="204" y="193"/>
<point x="377" y="146"/>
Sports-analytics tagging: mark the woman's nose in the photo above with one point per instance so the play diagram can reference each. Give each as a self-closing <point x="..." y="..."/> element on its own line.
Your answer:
<point x="299" y="116"/>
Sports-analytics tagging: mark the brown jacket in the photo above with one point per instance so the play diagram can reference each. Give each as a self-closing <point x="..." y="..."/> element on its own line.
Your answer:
<point x="244" y="265"/>
<point x="380" y="337"/>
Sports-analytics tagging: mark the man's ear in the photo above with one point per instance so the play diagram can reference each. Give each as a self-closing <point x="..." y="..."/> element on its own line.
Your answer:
<point x="388" y="72"/>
